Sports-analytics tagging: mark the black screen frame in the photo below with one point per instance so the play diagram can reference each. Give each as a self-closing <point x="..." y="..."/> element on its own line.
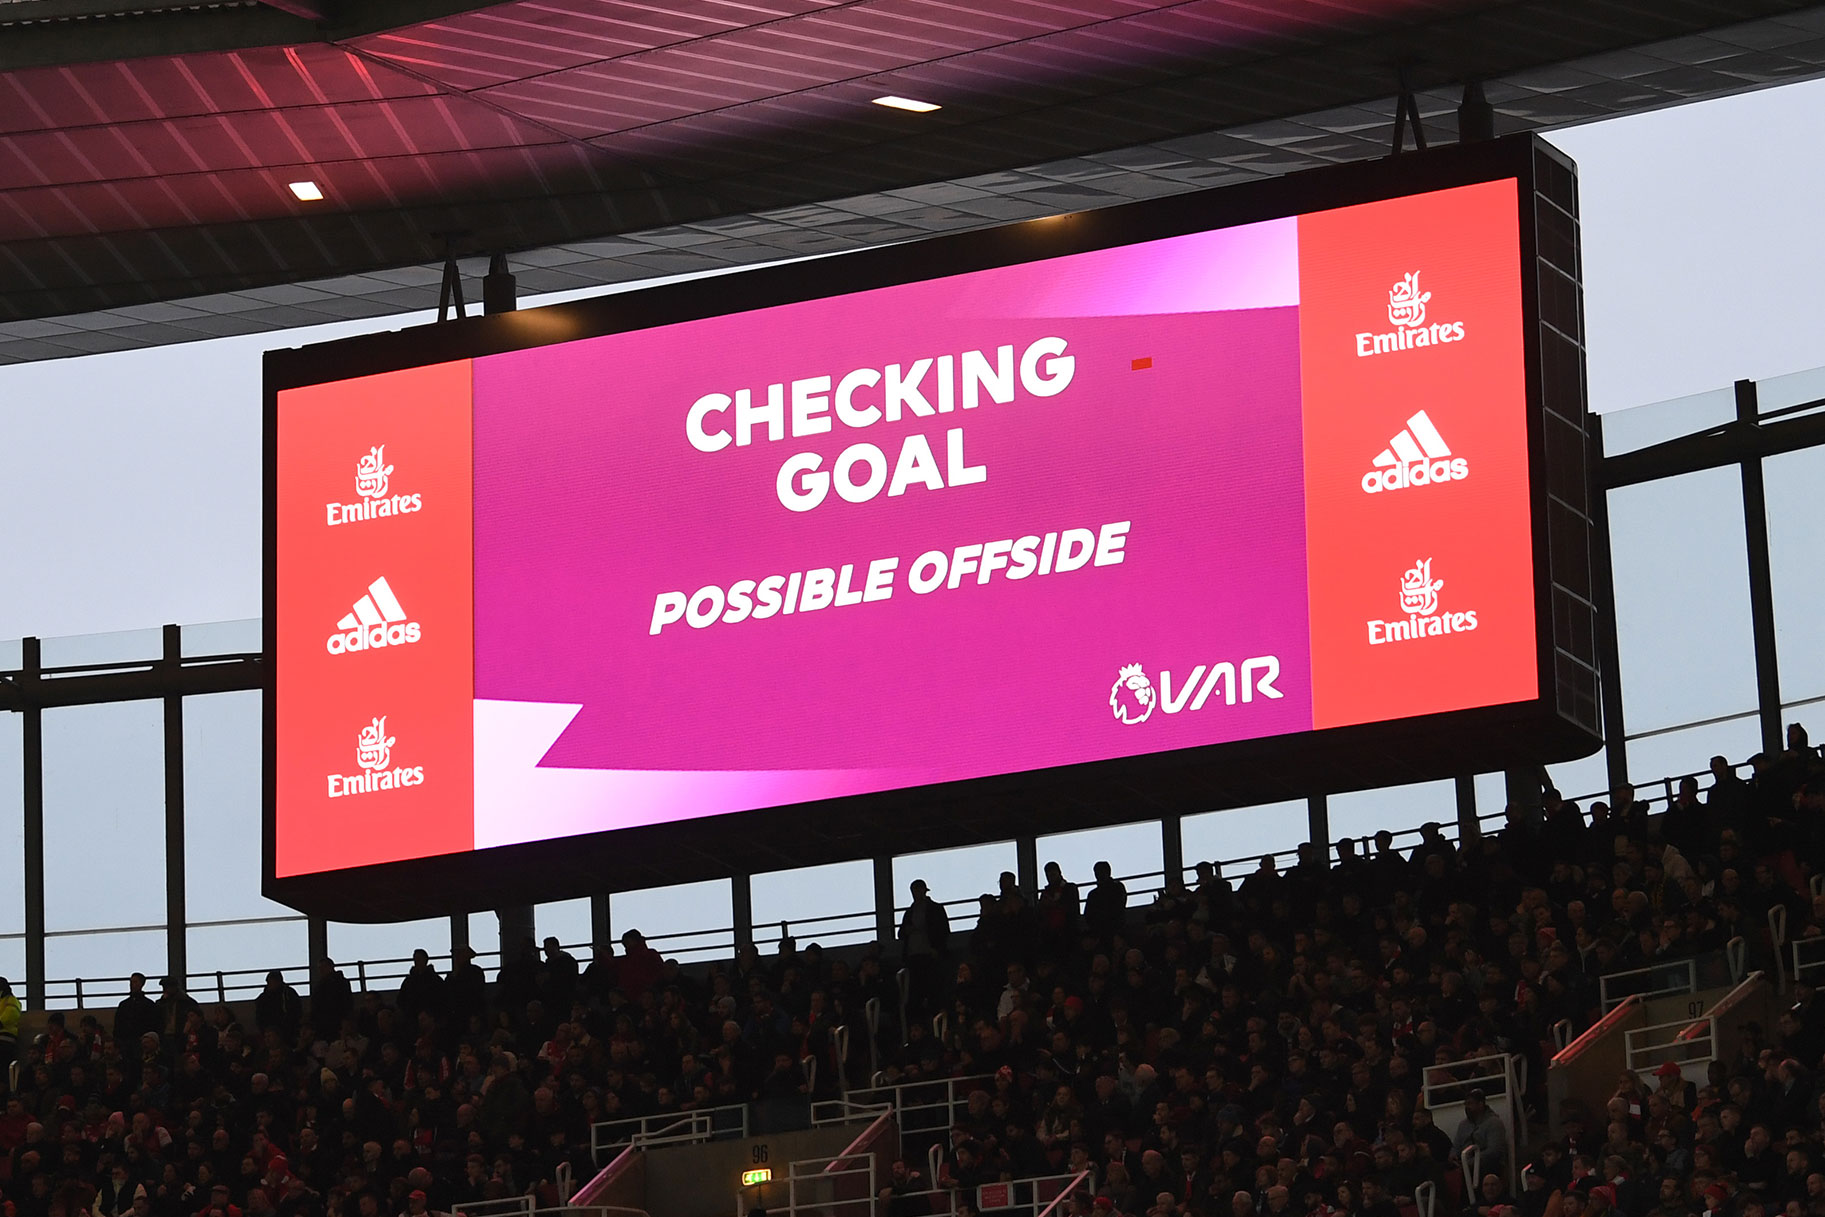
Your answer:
<point x="1559" y="724"/>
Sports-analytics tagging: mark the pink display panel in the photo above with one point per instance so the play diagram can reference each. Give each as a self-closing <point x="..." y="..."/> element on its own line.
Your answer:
<point x="1214" y="487"/>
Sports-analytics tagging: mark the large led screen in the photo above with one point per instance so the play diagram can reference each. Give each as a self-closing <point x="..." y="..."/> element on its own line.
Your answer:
<point x="1265" y="479"/>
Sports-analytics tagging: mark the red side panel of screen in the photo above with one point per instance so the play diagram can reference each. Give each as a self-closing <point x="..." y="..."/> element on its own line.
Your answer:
<point x="1418" y="527"/>
<point x="375" y="670"/>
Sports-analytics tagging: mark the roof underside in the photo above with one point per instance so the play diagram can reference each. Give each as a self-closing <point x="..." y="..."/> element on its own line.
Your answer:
<point x="145" y="157"/>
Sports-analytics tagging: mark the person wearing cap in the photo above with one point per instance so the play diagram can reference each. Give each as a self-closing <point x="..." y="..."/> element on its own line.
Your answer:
<point x="1670" y="1081"/>
<point x="218" y="1204"/>
<point x="1484" y="1129"/>
<point x="925" y="933"/>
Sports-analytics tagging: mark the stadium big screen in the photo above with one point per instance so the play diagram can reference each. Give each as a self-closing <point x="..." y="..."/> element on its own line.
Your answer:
<point x="1168" y="507"/>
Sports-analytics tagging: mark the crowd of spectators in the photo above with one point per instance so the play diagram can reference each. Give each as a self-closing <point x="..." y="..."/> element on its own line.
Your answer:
<point x="1225" y="1050"/>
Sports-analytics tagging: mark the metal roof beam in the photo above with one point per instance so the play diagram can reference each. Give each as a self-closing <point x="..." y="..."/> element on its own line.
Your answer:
<point x="53" y="33"/>
<point x="1728" y="444"/>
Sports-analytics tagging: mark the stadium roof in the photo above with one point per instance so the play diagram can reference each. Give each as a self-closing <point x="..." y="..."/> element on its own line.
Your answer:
<point x="147" y="150"/>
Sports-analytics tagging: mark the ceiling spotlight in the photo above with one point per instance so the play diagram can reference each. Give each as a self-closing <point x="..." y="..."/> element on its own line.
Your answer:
<point x="307" y="192"/>
<point x="907" y="103"/>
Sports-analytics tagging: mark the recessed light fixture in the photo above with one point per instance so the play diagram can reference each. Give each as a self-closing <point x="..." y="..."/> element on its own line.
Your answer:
<point x="907" y="103"/>
<point x="307" y="192"/>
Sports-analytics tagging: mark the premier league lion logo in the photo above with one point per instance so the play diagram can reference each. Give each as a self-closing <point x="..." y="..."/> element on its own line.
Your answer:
<point x="1132" y="697"/>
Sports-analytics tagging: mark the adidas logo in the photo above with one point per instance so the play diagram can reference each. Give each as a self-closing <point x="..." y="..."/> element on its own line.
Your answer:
<point x="1417" y="456"/>
<point x="377" y="620"/>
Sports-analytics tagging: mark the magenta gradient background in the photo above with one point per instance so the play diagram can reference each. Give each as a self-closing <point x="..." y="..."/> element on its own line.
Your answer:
<point x="589" y="501"/>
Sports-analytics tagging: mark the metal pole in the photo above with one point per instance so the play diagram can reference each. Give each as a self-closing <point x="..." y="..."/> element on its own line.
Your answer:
<point x="1172" y="847"/>
<point x="33" y="790"/>
<point x="885" y="926"/>
<point x="517" y="929"/>
<point x="317" y="940"/>
<point x="741" y="908"/>
<point x="600" y="935"/>
<point x="1761" y="577"/>
<point x="1026" y="866"/>
<point x="1318" y="821"/>
<point x="1467" y="827"/>
<point x="1603" y="587"/>
<point x="459" y="932"/>
<point x="177" y="951"/>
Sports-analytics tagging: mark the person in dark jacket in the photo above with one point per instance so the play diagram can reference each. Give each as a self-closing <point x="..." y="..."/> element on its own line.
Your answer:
<point x="278" y="1006"/>
<point x="925" y="934"/>
<point x="1106" y="907"/>
<point x="332" y="1000"/>
<point x="136" y="1014"/>
<point x="422" y="989"/>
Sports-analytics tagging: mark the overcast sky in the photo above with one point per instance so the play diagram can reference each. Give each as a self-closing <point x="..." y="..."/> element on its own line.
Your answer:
<point x="134" y="477"/>
<point x="132" y="480"/>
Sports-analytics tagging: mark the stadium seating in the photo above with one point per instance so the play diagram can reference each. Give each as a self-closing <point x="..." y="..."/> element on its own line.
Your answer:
<point x="1306" y="1041"/>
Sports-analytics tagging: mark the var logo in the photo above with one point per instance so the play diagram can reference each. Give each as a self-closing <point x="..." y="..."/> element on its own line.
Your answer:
<point x="377" y="620"/>
<point x="1132" y="699"/>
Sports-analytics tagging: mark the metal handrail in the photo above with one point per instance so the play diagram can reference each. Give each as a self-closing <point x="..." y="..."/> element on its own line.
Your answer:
<point x="1777" y="937"/>
<point x="1802" y="967"/>
<point x="1564" y="1056"/>
<point x="718" y="942"/>
<point x="1078" y="1180"/>
<point x="676" y="1128"/>
<point x="842" y="1111"/>
<point x="1689" y="986"/>
<point x="499" y="1208"/>
<point x="1641" y="1042"/>
<point x="828" y="1170"/>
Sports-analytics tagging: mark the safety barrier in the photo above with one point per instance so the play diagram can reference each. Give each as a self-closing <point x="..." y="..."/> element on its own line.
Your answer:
<point x="1777" y="938"/>
<point x="524" y="1206"/>
<point x="1445" y="1088"/>
<point x="1655" y="980"/>
<point x="691" y="946"/>
<point x="1683" y="1042"/>
<point x="838" y="1186"/>
<point x="922" y="1107"/>
<point x="1808" y="958"/>
<point x="1082" y="1180"/>
<point x="728" y="1123"/>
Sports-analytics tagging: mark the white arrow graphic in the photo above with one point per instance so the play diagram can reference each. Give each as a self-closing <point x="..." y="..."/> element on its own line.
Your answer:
<point x="518" y="800"/>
